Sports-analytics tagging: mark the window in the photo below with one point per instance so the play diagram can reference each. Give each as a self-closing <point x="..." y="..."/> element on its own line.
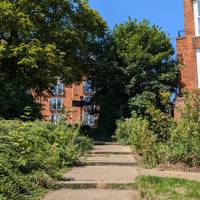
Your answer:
<point x="198" y="66"/>
<point x="88" y="99"/>
<point x="88" y="119"/>
<point x="87" y="87"/>
<point x="196" y="6"/>
<point x="56" y="117"/>
<point x="88" y="102"/>
<point x="56" y="103"/>
<point x="58" y="89"/>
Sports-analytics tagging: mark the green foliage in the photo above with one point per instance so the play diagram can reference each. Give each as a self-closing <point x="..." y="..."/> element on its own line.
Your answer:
<point x="41" y="41"/>
<point x="109" y="81"/>
<point x="32" y="153"/>
<point x="158" y="139"/>
<point x="147" y="56"/>
<point x="184" y="143"/>
<point x="191" y="110"/>
<point x="136" y="68"/>
<point x="141" y="138"/>
<point x="14" y="100"/>
<point x="160" y="123"/>
<point x="122" y="132"/>
<point x="185" y="139"/>
<point x="157" y="188"/>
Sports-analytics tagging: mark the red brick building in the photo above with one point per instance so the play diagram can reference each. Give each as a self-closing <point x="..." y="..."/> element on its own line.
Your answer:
<point x="73" y="102"/>
<point x="188" y="50"/>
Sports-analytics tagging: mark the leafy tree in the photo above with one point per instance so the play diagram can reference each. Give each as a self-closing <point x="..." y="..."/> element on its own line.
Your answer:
<point x="109" y="80"/>
<point x="148" y="62"/>
<point x="14" y="99"/>
<point x="136" y="69"/>
<point x="41" y="40"/>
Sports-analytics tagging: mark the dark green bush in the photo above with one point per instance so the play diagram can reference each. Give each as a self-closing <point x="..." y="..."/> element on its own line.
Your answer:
<point x="143" y="139"/>
<point x="160" y="124"/>
<point x="32" y="153"/>
<point x="185" y="139"/>
<point x="122" y="132"/>
<point x="159" y="139"/>
<point x="185" y="143"/>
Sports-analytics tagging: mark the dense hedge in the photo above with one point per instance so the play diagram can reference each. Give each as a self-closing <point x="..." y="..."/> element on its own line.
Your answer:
<point x="32" y="153"/>
<point x="159" y="139"/>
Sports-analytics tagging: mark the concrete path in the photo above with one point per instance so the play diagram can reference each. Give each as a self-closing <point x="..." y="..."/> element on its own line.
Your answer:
<point x="92" y="194"/>
<point x="106" y="165"/>
<point x="192" y="176"/>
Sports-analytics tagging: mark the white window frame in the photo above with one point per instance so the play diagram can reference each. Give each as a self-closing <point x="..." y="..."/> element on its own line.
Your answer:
<point x="198" y="66"/>
<point x="90" y="120"/>
<point x="87" y="84"/>
<point x="55" y="117"/>
<point x="88" y="103"/>
<point x="196" y="9"/>
<point x="88" y="99"/>
<point x="56" y="103"/>
<point x="56" y="89"/>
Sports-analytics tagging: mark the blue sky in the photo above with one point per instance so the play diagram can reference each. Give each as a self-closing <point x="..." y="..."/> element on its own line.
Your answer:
<point x="166" y="13"/>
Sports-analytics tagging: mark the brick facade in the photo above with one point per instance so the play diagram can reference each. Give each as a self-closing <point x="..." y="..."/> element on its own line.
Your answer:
<point x="186" y="52"/>
<point x="72" y="107"/>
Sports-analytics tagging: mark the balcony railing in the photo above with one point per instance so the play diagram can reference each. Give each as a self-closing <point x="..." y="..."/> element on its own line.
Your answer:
<point x="181" y="34"/>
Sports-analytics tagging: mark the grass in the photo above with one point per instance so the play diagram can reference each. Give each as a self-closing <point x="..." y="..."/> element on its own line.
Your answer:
<point x="127" y="186"/>
<point x="157" y="188"/>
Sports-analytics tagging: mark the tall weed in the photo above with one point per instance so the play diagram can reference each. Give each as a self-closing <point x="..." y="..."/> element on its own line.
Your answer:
<point x="32" y="153"/>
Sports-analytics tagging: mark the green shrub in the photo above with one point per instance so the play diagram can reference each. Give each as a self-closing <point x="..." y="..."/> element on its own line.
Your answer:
<point x="185" y="138"/>
<point x="148" y="136"/>
<point x="32" y="153"/>
<point x="185" y="143"/>
<point x="160" y="123"/>
<point x="122" y="132"/>
<point x="144" y="140"/>
<point x="158" y="139"/>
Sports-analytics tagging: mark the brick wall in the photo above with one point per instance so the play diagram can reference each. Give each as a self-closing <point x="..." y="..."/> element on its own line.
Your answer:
<point x="186" y="49"/>
<point x="186" y="53"/>
<point x="189" y="17"/>
<point x="178" y="106"/>
<point x="71" y="92"/>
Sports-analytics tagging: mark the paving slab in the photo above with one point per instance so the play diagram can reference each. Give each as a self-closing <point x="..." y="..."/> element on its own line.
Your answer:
<point x="103" y="174"/>
<point x="110" y="159"/>
<point x="111" y="149"/>
<point x="92" y="194"/>
<point x="193" y="176"/>
<point x="111" y="164"/>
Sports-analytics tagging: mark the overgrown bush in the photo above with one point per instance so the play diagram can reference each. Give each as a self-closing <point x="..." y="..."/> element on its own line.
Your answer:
<point x="185" y="143"/>
<point x="159" y="139"/>
<point x="185" y="139"/>
<point x="32" y="153"/>
<point x="122" y="132"/>
<point x="144" y="138"/>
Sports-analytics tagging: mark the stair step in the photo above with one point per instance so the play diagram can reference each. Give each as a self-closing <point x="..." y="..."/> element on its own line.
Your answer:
<point x="89" y="185"/>
<point x="88" y="163"/>
<point x="104" y="143"/>
<point x="109" y="152"/>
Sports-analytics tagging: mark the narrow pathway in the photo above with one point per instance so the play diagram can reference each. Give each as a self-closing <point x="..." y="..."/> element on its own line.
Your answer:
<point x="106" y="165"/>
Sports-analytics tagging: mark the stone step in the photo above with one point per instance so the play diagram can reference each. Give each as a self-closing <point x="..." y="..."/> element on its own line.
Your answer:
<point x="102" y="174"/>
<point x="109" y="169"/>
<point x="111" y="149"/>
<point x="108" y="152"/>
<point x="110" y="164"/>
<point x="110" y="159"/>
<point x="92" y="194"/>
<point x="90" y="185"/>
<point x="104" y="143"/>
